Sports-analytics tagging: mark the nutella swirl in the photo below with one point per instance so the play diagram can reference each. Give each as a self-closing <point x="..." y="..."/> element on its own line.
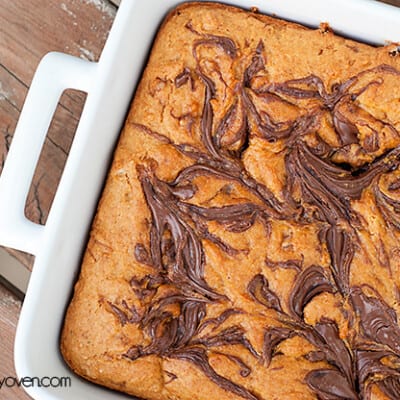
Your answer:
<point x="347" y="131"/>
<point x="272" y="338"/>
<point x="341" y="250"/>
<point x="391" y="387"/>
<point x="334" y="348"/>
<point x="184" y="77"/>
<point x="317" y="191"/>
<point x="184" y="261"/>
<point x="370" y="366"/>
<point x="389" y="207"/>
<point x="378" y="321"/>
<point x="257" y="64"/>
<point x="308" y="284"/>
<point x="330" y="384"/>
<point x="259" y="290"/>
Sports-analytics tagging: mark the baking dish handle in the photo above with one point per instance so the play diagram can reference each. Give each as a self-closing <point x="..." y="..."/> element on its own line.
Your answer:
<point x="56" y="72"/>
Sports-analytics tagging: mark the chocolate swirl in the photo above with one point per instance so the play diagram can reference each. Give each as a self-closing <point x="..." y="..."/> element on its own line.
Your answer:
<point x="308" y="284"/>
<point x="198" y="356"/>
<point x="341" y="101"/>
<point x="223" y="42"/>
<point x="378" y="321"/>
<point x="389" y="208"/>
<point x="295" y="265"/>
<point x="183" y="258"/>
<point x="330" y="187"/>
<point x="341" y="250"/>
<point x="235" y="218"/>
<point x="175" y="297"/>
<point x="330" y="385"/>
<point x="339" y="381"/>
<point x="184" y="77"/>
<point x="257" y="64"/>
<point x="272" y="338"/>
<point x="371" y="369"/>
<point x="391" y="387"/>
<point x="175" y="337"/>
<point x="259" y="290"/>
<point x="334" y="348"/>
<point x="348" y="132"/>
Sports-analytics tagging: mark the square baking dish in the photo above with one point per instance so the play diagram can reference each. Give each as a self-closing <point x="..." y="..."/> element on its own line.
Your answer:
<point x="110" y="83"/>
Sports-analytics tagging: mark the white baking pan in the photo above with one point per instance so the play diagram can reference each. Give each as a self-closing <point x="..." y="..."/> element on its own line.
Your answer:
<point x="110" y="84"/>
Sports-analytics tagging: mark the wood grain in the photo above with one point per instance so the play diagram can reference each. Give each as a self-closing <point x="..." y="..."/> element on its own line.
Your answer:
<point x="10" y="308"/>
<point x="392" y="2"/>
<point x="28" y="30"/>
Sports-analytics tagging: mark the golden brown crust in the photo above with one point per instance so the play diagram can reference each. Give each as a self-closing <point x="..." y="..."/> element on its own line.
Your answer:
<point x="284" y="106"/>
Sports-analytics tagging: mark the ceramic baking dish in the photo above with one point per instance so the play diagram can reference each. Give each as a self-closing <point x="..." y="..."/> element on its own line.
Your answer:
<point x="110" y="84"/>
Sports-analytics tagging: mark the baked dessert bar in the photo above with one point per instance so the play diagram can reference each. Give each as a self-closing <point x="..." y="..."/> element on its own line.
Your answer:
<point x="247" y="242"/>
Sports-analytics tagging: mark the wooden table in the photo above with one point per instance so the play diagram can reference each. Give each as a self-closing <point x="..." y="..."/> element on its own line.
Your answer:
<point x="28" y="30"/>
<point x="10" y="307"/>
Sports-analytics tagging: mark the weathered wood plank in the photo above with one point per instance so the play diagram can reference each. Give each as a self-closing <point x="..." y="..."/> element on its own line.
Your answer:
<point x="393" y="2"/>
<point x="28" y="30"/>
<point x="54" y="154"/>
<point x="10" y="308"/>
<point x="31" y="28"/>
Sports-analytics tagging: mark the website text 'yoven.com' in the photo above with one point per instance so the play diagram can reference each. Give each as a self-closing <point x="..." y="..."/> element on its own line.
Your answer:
<point x="35" y="381"/>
